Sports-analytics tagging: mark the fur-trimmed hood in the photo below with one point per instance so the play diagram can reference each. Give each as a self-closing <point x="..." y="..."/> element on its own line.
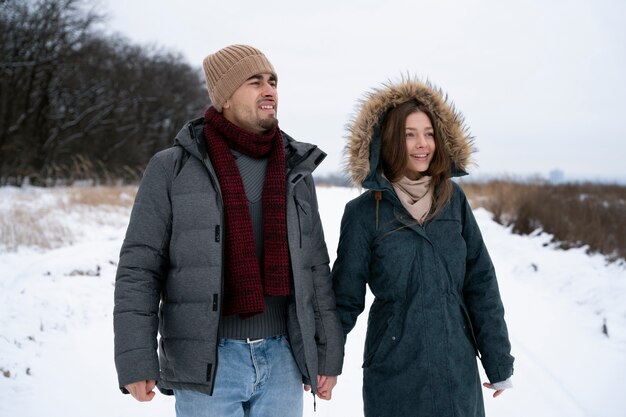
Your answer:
<point x="362" y="151"/>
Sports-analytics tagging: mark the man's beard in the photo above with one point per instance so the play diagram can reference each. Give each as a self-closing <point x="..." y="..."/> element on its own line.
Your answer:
<point x="268" y="124"/>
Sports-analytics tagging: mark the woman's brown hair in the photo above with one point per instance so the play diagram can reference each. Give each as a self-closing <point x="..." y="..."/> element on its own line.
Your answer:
<point x="394" y="155"/>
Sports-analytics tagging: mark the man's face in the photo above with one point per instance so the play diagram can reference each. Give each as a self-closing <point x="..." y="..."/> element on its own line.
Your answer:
<point x="253" y="106"/>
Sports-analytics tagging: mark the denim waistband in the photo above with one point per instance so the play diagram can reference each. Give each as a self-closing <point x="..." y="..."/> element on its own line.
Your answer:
<point x="251" y="340"/>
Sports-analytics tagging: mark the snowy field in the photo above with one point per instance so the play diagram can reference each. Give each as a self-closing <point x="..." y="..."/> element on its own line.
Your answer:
<point x="56" y="337"/>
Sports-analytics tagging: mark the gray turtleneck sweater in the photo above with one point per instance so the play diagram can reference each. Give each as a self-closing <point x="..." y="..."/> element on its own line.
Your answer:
<point x="272" y="321"/>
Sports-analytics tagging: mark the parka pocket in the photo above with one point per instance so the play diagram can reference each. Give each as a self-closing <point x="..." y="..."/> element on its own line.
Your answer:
<point x="469" y="329"/>
<point x="381" y="336"/>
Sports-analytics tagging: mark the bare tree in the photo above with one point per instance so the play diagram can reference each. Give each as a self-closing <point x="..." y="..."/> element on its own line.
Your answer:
<point x="75" y="104"/>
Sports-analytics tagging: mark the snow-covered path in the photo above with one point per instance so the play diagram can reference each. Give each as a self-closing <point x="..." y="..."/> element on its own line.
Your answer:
<point x="56" y="328"/>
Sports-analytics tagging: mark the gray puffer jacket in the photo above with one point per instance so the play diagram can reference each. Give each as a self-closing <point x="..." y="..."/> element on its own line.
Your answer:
<point x="170" y="273"/>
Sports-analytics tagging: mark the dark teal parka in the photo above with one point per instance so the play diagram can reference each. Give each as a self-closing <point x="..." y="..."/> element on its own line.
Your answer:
<point x="437" y="304"/>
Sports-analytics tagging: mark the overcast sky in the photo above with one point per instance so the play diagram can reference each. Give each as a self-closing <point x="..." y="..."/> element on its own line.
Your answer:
<point x="541" y="83"/>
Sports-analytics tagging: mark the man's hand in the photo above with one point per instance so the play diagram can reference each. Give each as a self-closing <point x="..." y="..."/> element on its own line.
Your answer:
<point x="325" y="385"/>
<point x="142" y="390"/>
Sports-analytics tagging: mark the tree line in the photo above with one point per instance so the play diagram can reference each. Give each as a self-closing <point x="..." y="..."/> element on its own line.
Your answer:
<point x="76" y="104"/>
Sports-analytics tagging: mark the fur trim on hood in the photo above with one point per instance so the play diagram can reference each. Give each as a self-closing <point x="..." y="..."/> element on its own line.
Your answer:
<point x="364" y="129"/>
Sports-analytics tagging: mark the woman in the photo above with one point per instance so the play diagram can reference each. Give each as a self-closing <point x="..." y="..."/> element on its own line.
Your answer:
<point x="414" y="240"/>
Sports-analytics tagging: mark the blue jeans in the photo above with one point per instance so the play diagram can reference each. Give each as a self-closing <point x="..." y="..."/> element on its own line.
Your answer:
<point x="254" y="379"/>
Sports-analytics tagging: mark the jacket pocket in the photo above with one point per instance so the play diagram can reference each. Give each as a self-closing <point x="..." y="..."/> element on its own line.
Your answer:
<point x="297" y="342"/>
<point x="381" y="336"/>
<point x="303" y="212"/>
<point x="469" y="329"/>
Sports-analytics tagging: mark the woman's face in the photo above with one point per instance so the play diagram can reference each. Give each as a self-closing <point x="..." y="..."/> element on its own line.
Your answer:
<point x="420" y="144"/>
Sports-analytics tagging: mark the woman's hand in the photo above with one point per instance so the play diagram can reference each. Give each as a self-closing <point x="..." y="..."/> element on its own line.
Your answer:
<point x="495" y="394"/>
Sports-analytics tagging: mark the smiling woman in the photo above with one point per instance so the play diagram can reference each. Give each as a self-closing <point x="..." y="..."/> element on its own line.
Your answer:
<point x="413" y="241"/>
<point x="420" y="144"/>
<point x="420" y="158"/>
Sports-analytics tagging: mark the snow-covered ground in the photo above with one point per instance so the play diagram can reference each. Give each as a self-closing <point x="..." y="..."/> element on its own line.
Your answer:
<point x="56" y="339"/>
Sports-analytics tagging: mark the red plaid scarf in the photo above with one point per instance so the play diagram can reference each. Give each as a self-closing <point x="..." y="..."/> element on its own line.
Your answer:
<point x="244" y="285"/>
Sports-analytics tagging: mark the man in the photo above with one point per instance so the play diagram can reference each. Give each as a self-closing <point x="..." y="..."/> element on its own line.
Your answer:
<point x="225" y="257"/>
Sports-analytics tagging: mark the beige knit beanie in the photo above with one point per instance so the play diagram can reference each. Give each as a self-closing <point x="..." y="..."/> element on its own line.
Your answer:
<point x="229" y="67"/>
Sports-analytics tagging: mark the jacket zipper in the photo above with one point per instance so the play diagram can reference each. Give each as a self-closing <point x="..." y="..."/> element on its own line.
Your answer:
<point x="298" y="205"/>
<point x="217" y="298"/>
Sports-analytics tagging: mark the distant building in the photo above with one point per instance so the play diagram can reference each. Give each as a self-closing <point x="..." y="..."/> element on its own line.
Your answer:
<point x="556" y="176"/>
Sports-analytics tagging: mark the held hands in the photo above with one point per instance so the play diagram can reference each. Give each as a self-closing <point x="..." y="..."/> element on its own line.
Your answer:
<point x="142" y="390"/>
<point x="325" y="385"/>
<point x="495" y="394"/>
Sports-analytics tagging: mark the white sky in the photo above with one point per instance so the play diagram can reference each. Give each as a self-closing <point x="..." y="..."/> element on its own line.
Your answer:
<point x="540" y="83"/>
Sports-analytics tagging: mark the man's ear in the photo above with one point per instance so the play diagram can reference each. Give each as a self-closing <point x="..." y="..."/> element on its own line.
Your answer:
<point x="226" y="104"/>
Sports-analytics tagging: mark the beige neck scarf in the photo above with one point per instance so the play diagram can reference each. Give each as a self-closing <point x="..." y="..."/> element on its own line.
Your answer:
<point x="416" y="196"/>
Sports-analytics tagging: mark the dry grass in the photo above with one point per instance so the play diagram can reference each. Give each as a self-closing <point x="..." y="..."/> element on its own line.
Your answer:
<point x="25" y="227"/>
<point x="575" y="214"/>
<point x="34" y="217"/>
<point x="592" y="215"/>
<point x="117" y="196"/>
